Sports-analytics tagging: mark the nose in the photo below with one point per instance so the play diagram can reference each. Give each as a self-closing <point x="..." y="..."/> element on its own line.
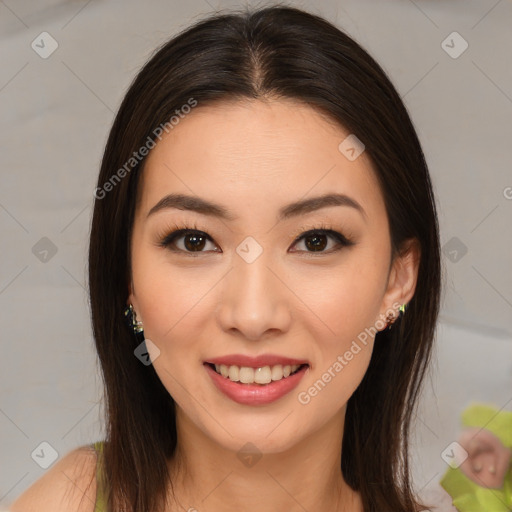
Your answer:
<point x="255" y="300"/>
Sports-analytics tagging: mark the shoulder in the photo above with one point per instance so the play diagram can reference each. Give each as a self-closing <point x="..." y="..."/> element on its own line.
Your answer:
<point x="68" y="485"/>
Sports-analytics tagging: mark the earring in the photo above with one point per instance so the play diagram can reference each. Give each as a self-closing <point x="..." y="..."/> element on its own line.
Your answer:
<point x="133" y="323"/>
<point x="391" y="318"/>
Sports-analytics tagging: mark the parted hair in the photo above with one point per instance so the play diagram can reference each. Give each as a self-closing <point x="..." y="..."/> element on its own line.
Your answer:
<point x="277" y="52"/>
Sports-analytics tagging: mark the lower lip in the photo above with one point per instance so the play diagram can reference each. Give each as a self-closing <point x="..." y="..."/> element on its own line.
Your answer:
<point x="255" y="394"/>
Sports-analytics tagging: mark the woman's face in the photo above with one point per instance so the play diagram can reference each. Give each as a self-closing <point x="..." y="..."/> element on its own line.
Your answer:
<point x="248" y="284"/>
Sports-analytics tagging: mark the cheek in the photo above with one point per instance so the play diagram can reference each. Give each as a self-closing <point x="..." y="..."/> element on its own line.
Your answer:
<point x="345" y="300"/>
<point x="343" y="305"/>
<point x="343" y="344"/>
<point x="172" y="302"/>
<point x="171" y="299"/>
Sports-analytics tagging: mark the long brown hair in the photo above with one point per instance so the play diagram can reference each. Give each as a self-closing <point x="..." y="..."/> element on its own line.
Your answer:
<point x="279" y="52"/>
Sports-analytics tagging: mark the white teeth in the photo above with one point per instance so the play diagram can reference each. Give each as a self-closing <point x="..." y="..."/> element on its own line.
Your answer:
<point x="246" y="375"/>
<point x="234" y="373"/>
<point x="277" y="372"/>
<point x="262" y="375"/>
<point x="224" y="370"/>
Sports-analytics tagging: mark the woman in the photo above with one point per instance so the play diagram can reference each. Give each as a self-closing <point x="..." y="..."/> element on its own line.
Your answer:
<point x="265" y="221"/>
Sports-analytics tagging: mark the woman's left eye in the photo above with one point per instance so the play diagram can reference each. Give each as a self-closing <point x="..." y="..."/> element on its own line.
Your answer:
<point x="315" y="240"/>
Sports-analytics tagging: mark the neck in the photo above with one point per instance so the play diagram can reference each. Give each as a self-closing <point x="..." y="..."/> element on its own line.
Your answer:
<point x="306" y="476"/>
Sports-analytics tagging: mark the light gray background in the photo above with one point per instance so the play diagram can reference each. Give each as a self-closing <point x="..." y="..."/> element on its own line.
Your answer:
<point x="55" y="116"/>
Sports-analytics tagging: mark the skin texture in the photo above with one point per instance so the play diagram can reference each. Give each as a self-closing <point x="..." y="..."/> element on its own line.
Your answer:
<point x="68" y="485"/>
<point x="254" y="157"/>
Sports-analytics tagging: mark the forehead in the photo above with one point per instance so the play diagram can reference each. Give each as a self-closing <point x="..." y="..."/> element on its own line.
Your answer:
<point x="253" y="154"/>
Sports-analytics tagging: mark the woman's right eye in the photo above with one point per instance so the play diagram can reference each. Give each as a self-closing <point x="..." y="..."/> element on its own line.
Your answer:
<point x="187" y="240"/>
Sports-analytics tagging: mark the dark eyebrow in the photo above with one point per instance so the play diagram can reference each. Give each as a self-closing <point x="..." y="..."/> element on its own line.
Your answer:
<point x="315" y="203"/>
<point x="199" y="205"/>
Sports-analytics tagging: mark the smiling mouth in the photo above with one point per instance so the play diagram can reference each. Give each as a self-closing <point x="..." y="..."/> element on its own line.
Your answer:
<point x="262" y="375"/>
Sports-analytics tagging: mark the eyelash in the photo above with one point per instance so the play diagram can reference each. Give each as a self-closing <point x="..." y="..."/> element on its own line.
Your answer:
<point x="177" y="231"/>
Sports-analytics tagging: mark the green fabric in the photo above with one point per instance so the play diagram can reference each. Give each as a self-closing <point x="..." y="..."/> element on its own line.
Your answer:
<point x="100" y="498"/>
<point x="467" y="495"/>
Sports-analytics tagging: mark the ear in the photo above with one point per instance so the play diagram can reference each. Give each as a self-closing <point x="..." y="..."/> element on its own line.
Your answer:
<point x="402" y="279"/>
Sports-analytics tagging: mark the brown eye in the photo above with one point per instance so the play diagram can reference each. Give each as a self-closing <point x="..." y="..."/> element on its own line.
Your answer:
<point x="190" y="241"/>
<point x="317" y="240"/>
<point x="193" y="241"/>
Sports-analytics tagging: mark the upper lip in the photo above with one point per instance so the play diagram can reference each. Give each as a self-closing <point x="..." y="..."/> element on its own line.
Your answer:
<point x="256" y="362"/>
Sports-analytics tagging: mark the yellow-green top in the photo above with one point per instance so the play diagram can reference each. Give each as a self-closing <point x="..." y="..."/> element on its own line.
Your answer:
<point x="100" y="505"/>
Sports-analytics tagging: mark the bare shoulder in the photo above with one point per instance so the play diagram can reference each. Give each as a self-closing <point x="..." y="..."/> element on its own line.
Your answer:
<point x="69" y="485"/>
